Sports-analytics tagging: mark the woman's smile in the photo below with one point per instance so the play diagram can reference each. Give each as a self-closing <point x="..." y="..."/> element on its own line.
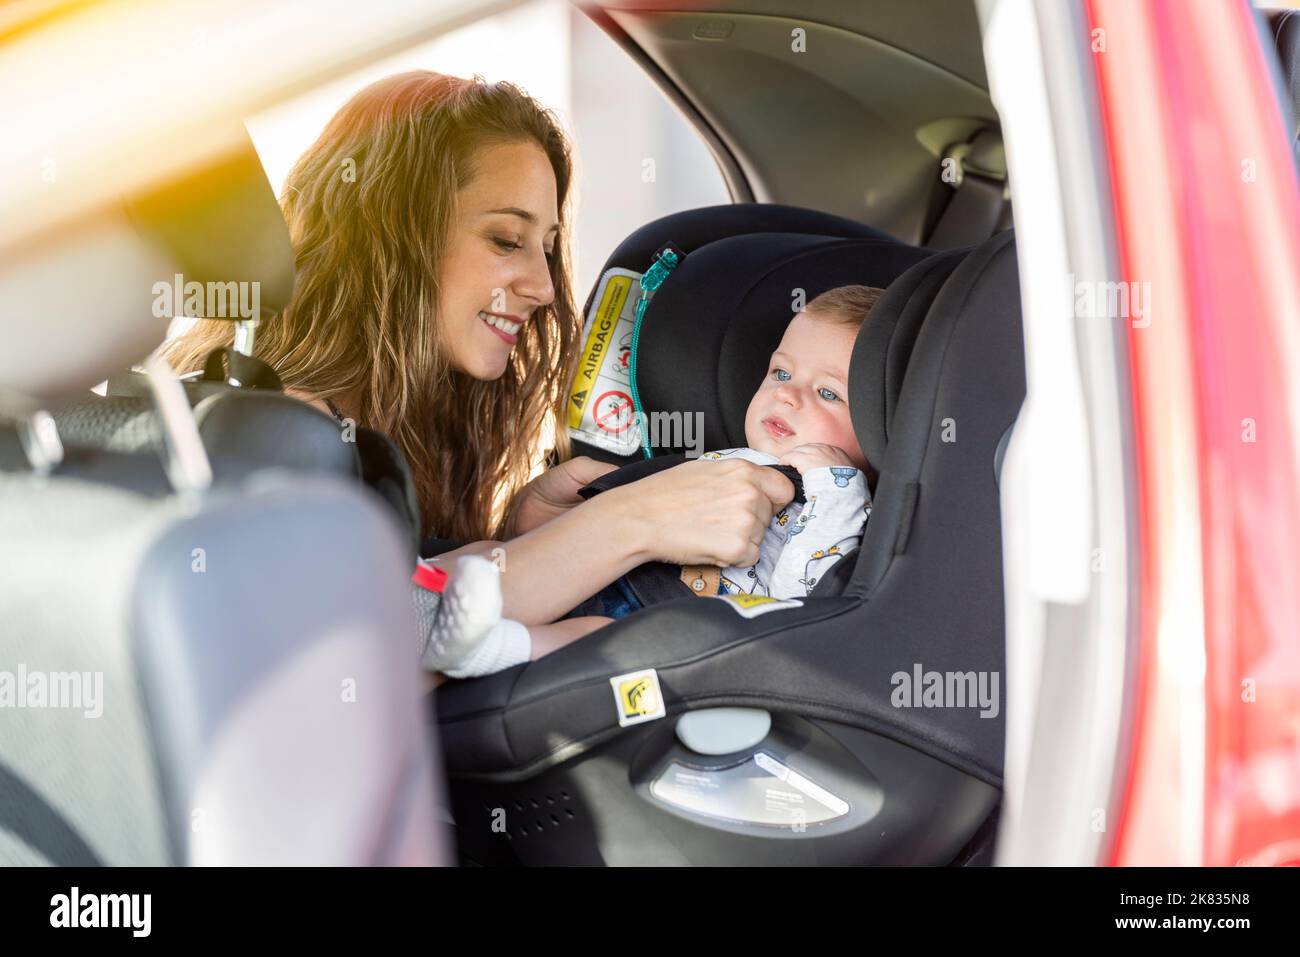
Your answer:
<point x="505" y="326"/>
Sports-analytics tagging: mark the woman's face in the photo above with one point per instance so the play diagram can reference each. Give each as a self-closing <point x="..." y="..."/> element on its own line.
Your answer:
<point x="496" y="270"/>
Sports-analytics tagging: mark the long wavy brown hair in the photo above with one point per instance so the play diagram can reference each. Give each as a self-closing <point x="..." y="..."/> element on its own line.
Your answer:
<point x="363" y="316"/>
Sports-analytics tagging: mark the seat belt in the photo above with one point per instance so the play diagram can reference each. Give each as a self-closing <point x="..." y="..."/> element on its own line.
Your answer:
<point x="977" y="172"/>
<point x="666" y="260"/>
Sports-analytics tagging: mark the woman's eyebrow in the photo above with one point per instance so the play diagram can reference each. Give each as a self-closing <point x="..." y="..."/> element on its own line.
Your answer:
<point x="523" y="214"/>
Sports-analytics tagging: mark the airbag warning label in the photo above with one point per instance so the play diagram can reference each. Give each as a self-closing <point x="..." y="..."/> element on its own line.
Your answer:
<point x="600" y="402"/>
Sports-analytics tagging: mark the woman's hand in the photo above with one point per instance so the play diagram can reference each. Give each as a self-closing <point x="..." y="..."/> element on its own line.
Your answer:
<point x="552" y="493"/>
<point x="703" y="512"/>
<point x="697" y="513"/>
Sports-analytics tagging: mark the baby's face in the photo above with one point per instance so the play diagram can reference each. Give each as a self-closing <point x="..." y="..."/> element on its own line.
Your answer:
<point x="804" y="397"/>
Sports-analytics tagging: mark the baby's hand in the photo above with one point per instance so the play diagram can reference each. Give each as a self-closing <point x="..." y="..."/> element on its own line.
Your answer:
<point x="815" y="455"/>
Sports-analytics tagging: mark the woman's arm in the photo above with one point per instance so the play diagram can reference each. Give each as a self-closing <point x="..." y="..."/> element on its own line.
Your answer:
<point x="697" y="513"/>
<point x="553" y="568"/>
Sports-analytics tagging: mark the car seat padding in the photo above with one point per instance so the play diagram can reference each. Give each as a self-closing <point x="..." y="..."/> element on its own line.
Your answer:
<point x="926" y="591"/>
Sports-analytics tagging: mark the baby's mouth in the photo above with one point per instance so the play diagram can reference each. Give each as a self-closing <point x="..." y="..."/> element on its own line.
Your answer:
<point x="777" y="427"/>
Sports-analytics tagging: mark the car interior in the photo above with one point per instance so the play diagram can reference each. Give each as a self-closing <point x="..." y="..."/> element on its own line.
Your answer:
<point x="249" y="570"/>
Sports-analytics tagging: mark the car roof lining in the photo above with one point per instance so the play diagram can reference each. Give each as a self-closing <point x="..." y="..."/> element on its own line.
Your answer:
<point x="856" y="124"/>
<point x="944" y="32"/>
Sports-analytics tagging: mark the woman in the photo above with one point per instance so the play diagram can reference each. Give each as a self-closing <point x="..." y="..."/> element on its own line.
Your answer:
<point x="432" y="303"/>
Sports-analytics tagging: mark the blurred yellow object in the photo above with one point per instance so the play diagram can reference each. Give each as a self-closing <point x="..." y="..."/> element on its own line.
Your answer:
<point x="101" y="100"/>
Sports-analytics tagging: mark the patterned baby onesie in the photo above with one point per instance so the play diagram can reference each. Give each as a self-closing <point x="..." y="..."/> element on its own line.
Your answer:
<point x="803" y="541"/>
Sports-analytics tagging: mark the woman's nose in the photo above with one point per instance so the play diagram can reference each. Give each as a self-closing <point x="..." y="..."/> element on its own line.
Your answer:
<point x="535" y="284"/>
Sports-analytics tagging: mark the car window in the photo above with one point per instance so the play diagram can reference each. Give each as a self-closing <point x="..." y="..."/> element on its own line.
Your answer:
<point x="637" y="157"/>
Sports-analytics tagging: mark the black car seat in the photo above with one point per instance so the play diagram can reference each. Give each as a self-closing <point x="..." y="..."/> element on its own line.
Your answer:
<point x="226" y="666"/>
<point x="784" y="736"/>
<point x="880" y="357"/>
<point x="711" y="327"/>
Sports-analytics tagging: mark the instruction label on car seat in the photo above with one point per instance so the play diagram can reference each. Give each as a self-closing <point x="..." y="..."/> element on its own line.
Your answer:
<point x="637" y="696"/>
<point x="751" y="606"/>
<point x="600" y="400"/>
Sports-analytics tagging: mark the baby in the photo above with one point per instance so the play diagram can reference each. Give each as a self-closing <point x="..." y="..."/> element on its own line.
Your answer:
<point x="799" y="417"/>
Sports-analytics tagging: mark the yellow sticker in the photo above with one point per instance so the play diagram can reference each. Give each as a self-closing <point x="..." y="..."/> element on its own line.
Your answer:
<point x="604" y="320"/>
<point x="751" y="606"/>
<point x="637" y="697"/>
<point x="601" y="411"/>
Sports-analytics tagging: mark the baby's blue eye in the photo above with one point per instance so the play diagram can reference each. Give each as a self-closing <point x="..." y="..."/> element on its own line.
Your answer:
<point x="781" y="375"/>
<point x="828" y="395"/>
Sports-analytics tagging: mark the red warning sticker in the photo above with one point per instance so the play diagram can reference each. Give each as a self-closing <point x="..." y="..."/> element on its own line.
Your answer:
<point x="613" y="412"/>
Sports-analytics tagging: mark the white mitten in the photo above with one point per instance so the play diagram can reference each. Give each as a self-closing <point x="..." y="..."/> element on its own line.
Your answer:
<point x="464" y="635"/>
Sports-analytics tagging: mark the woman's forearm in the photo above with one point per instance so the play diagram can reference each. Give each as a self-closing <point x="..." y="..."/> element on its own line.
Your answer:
<point x="558" y="565"/>
<point x="553" y="568"/>
<point x="697" y="513"/>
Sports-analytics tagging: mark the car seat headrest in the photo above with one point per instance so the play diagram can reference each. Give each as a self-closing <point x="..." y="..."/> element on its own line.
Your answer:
<point x="693" y="228"/>
<point x="223" y="224"/>
<point x="884" y="346"/>
<point x="964" y="387"/>
<point x="75" y="306"/>
<point x="82" y="302"/>
<point x="713" y="324"/>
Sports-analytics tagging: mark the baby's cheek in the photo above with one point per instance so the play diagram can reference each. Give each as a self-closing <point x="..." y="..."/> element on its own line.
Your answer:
<point x="754" y="433"/>
<point x="850" y="445"/>
<point x="827" y="429"/>
<point x="750" y="432"/>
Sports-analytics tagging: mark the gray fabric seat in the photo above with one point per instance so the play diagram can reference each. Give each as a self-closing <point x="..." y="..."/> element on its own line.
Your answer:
<point x="252" y="693"/>
<point x="258" y="694"/>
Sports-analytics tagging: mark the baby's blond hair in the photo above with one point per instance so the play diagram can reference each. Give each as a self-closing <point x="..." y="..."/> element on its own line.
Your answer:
<point x="845" y="305"/>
